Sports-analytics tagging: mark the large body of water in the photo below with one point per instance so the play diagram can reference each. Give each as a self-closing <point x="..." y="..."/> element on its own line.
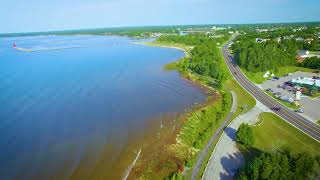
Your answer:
<point x="59" y="108"/>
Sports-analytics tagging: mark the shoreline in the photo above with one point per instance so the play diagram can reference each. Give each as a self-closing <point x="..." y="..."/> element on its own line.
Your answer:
<point x="152" y="43"/>
<point x="213" y="98"/>
<point x="187" y="77"/>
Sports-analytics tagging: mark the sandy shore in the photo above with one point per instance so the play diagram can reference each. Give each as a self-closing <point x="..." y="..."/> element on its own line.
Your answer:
<point x="163" y="46"/>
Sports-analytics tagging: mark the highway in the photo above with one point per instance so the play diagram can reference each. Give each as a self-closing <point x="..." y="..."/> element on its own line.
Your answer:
<point x="306" y="126"/>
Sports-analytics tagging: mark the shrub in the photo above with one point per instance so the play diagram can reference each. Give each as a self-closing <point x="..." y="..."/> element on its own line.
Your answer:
<point x="245" y="135"/>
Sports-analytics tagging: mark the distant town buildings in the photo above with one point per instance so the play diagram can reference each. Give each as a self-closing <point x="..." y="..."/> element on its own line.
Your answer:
<point x="278" y="39"/>
<point x="262" y="30"/>
<point x="299" y="39"/>
<point x="183" y="33"/>
<point x="218" y="28"/>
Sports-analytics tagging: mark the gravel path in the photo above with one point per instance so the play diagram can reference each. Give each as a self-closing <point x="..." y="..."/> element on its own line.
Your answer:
<point x="204" y="152"/>
<point x="226" y="158"/>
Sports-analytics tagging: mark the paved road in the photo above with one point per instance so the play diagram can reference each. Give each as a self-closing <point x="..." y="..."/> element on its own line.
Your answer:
<point x="290" y="116"/>
<point x="204" y="152"/>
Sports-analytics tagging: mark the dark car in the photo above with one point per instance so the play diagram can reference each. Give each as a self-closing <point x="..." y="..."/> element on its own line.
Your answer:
<point x="275" y="108"/>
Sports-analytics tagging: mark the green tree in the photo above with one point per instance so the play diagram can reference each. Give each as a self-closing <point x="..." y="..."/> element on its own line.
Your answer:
<point x="245" y="135"/>
<point x="281" y="165"/>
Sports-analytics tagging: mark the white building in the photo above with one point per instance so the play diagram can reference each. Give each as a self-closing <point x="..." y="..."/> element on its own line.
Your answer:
<point x="298" y="95"/>
<point x="303" y="53"/>
<point x="306" y="81"/>
<point x="266" y="75"/>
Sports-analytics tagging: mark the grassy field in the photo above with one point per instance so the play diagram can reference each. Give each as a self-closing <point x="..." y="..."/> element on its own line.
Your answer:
<point x="282" y="71"/>
<point x="244" y="100"/>
<point x="273" y="133"/>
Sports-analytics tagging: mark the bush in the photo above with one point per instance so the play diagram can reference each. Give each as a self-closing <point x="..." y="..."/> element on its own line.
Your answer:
<point x="245" y="135"/>
<point x="175" y="176"/>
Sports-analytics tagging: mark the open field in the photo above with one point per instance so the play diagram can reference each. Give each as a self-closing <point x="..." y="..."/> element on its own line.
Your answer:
<point x="273" y="133"/>
<point x="245" y="100"/>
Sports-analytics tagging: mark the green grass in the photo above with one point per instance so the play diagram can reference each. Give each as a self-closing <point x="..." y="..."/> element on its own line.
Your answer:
<point x="207" y="158"/>
<point x="255" y="77"/>
<point x="244" y="99"/>
<point x="315" y="95"/>
<point x="274" y="133"/>
<point x="282" y="71"/>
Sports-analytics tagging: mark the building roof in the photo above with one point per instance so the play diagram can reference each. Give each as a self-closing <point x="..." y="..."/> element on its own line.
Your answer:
<point x="303" y="53"/>
<point x="306" y="81"/>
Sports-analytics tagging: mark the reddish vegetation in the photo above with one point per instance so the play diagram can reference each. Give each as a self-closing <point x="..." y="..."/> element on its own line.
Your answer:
<point x="159" y="151"/>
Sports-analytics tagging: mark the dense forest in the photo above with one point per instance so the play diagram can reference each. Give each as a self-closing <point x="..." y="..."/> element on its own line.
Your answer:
<point x="282" y="165"/>
<point x="205" y="58"/>
<point x="258" y="57"/>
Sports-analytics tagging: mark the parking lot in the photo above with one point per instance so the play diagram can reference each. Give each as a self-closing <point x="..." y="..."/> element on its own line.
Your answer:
<point x="311" y="107"/>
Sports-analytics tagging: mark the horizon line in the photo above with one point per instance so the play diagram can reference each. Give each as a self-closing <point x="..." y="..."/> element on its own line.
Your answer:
<point x="145" y="26"/>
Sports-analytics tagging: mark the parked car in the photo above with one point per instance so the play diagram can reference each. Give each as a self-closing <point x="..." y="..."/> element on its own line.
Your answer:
<point x="299" y="111"/>
<point x="277" y="93"/>
<point x="270" y="90"/>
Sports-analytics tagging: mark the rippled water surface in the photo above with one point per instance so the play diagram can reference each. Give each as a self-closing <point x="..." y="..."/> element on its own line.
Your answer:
<point x="60" y="108"/>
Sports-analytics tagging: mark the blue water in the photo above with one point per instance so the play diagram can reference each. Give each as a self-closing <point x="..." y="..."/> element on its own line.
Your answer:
<point x="58" y="105"/>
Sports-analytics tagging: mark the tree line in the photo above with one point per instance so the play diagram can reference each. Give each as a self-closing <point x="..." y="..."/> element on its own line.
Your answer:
<point x="205" y="58"/>
<point x="313" y="63"/>
<point x="282" y="165"/>
<point x="259" y="57"/>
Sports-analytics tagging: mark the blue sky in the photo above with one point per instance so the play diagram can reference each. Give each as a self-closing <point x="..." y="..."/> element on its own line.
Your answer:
<point x="45" y="15"/>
